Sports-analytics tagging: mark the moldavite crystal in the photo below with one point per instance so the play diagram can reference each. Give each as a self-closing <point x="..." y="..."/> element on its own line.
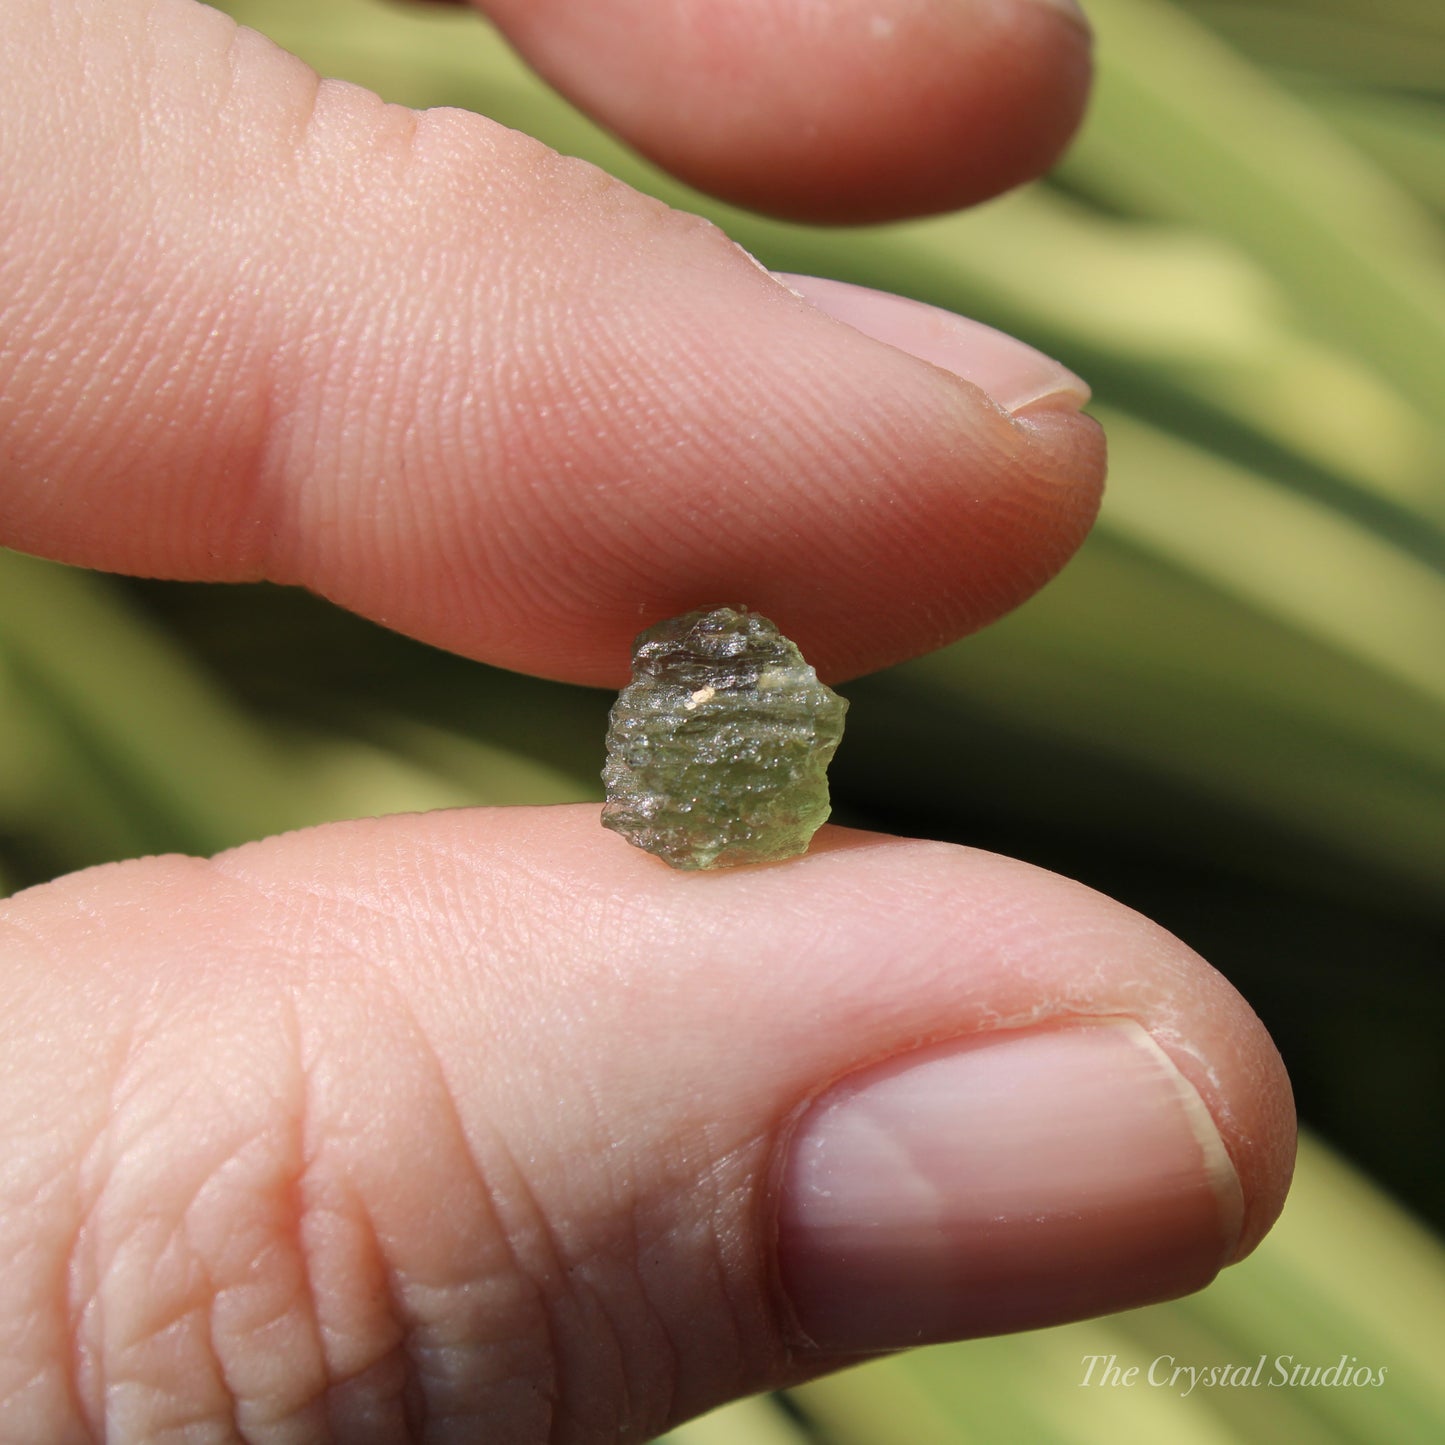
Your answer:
<point x="718" y="749"/>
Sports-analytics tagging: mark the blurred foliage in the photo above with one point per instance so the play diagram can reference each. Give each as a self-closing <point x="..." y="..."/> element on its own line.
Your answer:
<point x="1229" y="711"/>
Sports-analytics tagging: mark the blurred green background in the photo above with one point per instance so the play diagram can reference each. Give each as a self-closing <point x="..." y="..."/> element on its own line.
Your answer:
<point x="1228" y="712"/>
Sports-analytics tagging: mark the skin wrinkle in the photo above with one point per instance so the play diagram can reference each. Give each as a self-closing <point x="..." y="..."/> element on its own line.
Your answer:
<point x="732" y="1244"/>
<point x="216" y="1292"/>
<point x="272" y="493"/>
<point x="85" y="1300"/>
<point x="130" y="1397"/>
<point x="304" y="97"/>
<point x="420" y="1356"/>
<point x="484" y="864"/>
<point x="485" y="1191"/>
<point x="632" y="1409"/>
<point x="262" y="1170"/>
<point x="381" y="1403"/>
<point x="608" y="1303"/>
<point x="492" y="1201"/>
<point x="665" y="1395"/>
<point x="417" y="1352"/>
<point x="207" y="301"/>
<point x="294" y="1189"/>
<point x="733" y="1271"/>
<point x="343" y="1384"/>
<point x="415" y="1397"/>
<point x="565" y="1287"/>
<point x="62" y="1287"/>
<point x="547" y="1276"/>
<point x="696" y="1172"/>
<point x="578" y="1273"/>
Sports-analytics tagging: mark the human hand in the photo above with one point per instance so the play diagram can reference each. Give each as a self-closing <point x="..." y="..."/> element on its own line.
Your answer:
<point x="482" y="1124"/>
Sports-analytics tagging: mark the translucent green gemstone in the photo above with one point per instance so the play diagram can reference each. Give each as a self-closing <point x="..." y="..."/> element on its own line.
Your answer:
<point x="718" y="749"/>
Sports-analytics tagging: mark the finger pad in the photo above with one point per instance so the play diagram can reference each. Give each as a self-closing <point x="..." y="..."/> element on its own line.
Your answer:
<point x="854" y="113"/>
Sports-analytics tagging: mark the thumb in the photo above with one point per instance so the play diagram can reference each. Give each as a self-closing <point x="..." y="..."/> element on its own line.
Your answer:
<point x="482" y="1125"/>
<point x="257" y="325"/>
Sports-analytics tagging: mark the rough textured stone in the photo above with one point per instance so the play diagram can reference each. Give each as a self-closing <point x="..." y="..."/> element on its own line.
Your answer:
<point x="718" y="749"/>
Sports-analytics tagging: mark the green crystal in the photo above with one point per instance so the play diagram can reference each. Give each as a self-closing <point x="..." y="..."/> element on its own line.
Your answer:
<point x="718" y="749"/>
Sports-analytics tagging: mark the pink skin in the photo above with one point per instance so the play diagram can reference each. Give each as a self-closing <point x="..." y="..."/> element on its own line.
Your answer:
<point x="850" y="111"/>
<point x="485" y="1118"/>
<point x="495" y="1078"/>
<point x="469" y="388"/>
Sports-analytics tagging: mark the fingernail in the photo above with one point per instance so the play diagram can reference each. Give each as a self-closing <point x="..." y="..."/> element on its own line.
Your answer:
<point x="1002" y="1183"/>
<point x="1013" y="375"/>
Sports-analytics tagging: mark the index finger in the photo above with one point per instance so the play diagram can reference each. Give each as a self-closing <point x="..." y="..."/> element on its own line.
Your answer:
<point x="258" y="326"/>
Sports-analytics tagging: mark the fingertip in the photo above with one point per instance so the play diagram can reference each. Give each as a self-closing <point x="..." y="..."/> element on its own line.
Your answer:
<point x="490" y="396"/>
<point x="862" y="112"/>
<point x="1256" y="1119"/>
